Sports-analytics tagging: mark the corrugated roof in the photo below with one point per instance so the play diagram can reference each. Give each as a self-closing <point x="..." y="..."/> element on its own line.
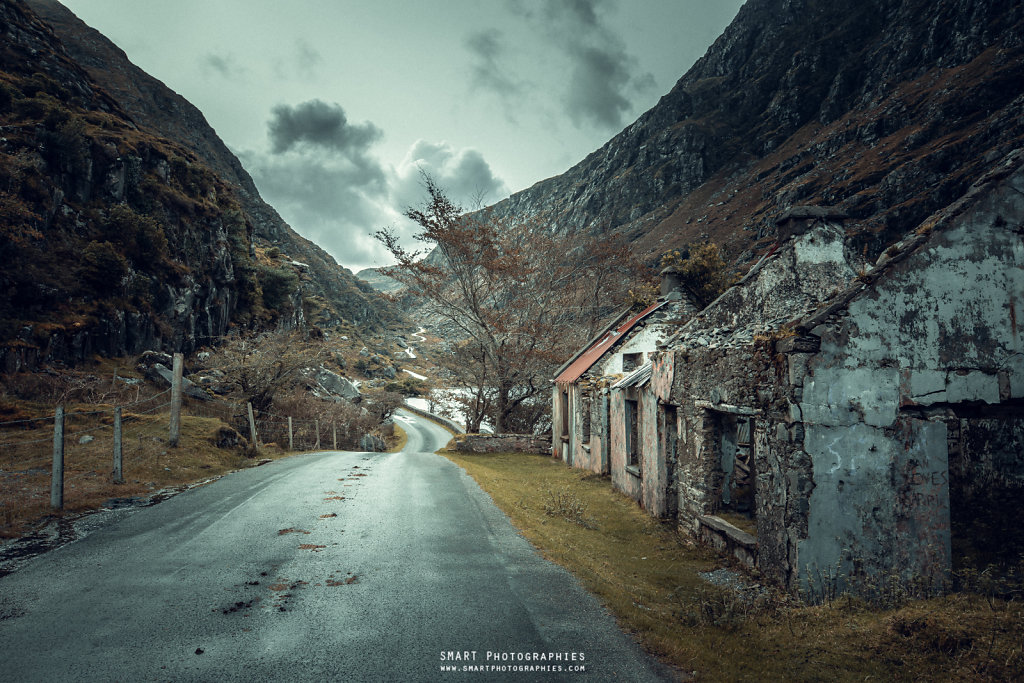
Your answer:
<point x="637" y="378"/>
<point x="586" y="360"/>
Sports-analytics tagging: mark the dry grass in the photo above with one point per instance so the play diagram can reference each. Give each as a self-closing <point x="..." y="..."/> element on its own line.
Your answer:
<point x="647" y="574"/>
<point x="149" y="463"/>
<point x="397" y="442"/>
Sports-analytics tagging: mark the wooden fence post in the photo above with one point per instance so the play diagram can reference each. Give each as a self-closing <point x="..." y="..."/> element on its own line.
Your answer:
<point x="316" y="423"/>
<point x="334" y="432"/>
<point x="118" y="469"/>
<point x="176" y="401"/>
<point x="57" y="473"/>
<point x="252" y="426"/>
<point x="291" y="443"/>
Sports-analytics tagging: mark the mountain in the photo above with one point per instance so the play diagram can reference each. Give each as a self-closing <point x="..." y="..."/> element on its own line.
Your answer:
<point x="124" y="226"/>
<point x="886" y="109"/>
<point x="380" y="281"/>
<point x="332" y="293"/>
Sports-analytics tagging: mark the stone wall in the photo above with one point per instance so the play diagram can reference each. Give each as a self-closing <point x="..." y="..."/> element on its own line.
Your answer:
<point x="503" y="443"/>
<point x="443" y="421"/>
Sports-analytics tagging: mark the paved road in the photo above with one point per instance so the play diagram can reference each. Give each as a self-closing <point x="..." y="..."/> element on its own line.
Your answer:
<point x="331" y="566"/>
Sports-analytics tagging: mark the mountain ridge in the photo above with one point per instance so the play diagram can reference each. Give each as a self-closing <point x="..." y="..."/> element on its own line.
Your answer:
<point x="868" y="107"/>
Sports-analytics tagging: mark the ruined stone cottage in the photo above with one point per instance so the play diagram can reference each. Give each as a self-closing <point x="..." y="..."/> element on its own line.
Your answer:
<point x="834" y="424"/>
<point x="663" y="406"/>
<point x="580" y="426"/>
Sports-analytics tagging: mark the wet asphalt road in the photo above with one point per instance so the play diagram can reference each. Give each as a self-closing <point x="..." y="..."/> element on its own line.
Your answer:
<point x="332" y="566"/>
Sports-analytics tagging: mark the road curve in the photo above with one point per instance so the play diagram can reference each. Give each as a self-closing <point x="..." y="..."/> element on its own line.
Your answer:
<point x="327" y="566"/>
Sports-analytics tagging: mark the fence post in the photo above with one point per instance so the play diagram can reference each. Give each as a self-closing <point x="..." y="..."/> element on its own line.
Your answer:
<point x="176" y="400"/>
<point x="118" y="470"/>
<point x="334" y="432"/>
<point x="252" y="426"/>
<point x="291" y="443"/>
<point x="316" y="424"/>
<point x="57" y="473"/>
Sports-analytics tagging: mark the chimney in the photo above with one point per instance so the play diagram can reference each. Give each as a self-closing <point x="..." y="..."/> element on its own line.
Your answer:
<point x="670" y="281"/>
<point x="797" y="220"/>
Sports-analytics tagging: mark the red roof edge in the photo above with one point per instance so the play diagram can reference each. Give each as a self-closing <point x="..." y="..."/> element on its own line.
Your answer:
<point x="606" y="341"/>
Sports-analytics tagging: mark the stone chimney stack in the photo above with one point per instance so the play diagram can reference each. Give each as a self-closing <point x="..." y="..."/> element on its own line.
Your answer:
<point x="797" y="220"/>
<point x="670" y="281"/>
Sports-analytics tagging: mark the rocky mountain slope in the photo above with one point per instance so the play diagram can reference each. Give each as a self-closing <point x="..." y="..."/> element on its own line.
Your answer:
<point x="887" y="109"/>
<point x="332" y="293"/>
<point x="116" y="238"/>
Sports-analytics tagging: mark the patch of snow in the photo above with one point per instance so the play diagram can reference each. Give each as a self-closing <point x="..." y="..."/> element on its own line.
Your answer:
<point x="420" y="403"/>
<point x="415" y="375"/>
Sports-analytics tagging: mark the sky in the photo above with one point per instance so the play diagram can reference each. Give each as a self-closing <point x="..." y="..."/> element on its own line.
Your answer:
<point x="335" y="107"/>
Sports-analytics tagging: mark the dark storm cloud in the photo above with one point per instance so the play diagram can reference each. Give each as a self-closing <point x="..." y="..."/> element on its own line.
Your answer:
<point x="318" y="124"/>
<point x="488" y="71"/>
<point x="603" y="74"/>
<point x="326" y="199"/>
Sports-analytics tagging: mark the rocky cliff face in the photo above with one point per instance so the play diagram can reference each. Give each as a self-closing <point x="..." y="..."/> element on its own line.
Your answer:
<point x="113" y="238"/>
<point x="334" y="292"/>
<point x="886" y="108"/>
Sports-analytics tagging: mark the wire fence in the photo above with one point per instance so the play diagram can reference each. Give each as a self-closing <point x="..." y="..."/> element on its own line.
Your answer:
<point x="109" y="451"/>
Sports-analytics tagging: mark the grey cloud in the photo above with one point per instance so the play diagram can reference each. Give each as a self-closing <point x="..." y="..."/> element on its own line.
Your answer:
<point x="580" y="12"/>
<point x="602" y="71"/>
<point x="330" y="201"/>
<point x="318" y="124"/>
<point x="339" y="200"/>
<point x="307" y="57"/>
<point x="599" y="79"/>
<point x="464" y="174"/>
<point x="223" y="65"/>
<point x="302" y="62"/>
<point x="488" y="48"/>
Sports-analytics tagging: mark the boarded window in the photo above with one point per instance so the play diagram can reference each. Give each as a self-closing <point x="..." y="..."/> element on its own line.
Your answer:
<point x="632" y="433"/>
<point x="585" y="417"/>
<point x="734" y="479"/>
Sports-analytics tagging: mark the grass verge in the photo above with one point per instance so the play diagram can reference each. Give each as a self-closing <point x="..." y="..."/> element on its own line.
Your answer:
<point x="648" y="575"/>
<point x="398" y="441"/>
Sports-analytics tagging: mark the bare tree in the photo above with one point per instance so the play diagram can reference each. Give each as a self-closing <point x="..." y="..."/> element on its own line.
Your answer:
<point x="520" y="296"/>
<point x="263" y="366"/>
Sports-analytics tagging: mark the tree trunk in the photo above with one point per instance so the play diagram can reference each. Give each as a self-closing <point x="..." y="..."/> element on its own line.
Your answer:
<point x="501" y="414"/>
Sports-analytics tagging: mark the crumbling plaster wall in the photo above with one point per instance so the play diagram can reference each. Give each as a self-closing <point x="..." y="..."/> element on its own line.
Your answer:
<point x="807" y="270"/>
<point x="939" y="329"/>
<point x="653" y="472"/>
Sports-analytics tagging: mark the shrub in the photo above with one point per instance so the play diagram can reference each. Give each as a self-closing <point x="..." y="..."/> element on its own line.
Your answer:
<point x="142" y="236"/>
<point x="102" y="267"/>
<point x="277" y="285"/>
<point x="701" y="270"/>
